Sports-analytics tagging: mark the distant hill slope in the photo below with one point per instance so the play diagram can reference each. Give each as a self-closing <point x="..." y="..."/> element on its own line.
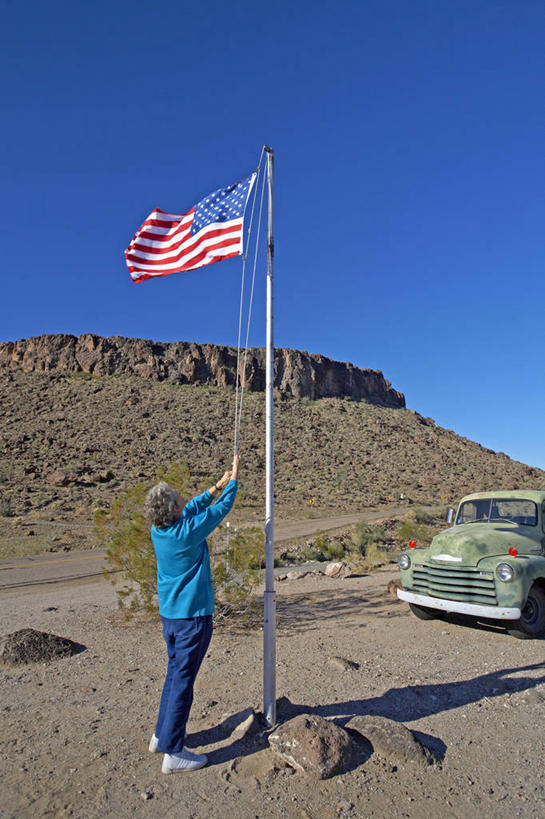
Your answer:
<point x="70" y="441"/>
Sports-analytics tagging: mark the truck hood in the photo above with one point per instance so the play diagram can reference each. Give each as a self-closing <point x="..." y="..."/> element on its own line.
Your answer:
<point x="467" y="544"/>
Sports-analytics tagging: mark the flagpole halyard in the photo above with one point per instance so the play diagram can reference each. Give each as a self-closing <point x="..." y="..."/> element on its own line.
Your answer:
<point x="269" y="622"/>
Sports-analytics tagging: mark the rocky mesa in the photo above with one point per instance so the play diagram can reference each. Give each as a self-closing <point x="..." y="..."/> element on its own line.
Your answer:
<point x="298" y="374"/>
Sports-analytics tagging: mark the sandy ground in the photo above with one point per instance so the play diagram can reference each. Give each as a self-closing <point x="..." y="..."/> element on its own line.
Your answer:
<point x="75" y="731"/>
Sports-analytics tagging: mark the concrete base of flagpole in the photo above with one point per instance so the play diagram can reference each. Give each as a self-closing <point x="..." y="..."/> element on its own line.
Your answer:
<point x="269" y="658"/>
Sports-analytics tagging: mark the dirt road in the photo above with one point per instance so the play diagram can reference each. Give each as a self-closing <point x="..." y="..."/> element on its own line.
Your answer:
<point x="52" y="568"/>
<point x="75" y="731"/>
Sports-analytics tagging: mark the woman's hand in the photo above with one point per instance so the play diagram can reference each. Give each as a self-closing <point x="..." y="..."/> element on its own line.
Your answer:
<point x="224" y="480"/>
<point x="234" y="471"/>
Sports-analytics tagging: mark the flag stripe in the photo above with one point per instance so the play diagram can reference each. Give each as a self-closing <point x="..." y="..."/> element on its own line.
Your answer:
<point x="200" y="249"/>
<point x="185" y="244"/>
<point x="212" y="230"/>
<point x="140" y="275"/>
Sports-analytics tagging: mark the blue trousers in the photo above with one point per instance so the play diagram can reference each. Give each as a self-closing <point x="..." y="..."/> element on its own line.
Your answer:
<point x="187" y="641"/>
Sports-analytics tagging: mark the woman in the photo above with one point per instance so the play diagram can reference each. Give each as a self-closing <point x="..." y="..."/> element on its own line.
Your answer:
<point x="186" y="603"/>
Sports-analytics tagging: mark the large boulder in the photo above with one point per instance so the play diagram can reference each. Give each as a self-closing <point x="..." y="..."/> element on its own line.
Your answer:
<point x="392" y="741"/>
<point x="313" y="745"/>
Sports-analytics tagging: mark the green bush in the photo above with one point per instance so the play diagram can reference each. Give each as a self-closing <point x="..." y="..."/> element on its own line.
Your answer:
<point x="6" y="509"/>
<point x="411" y="530"/>
<point x="124" y="533"/>
<point x="237" y="574"/>
<point x="330" y="548"/>
<point x="310" y="552"/>
<point x="421" y="516"/>
<point x="335" y="550"/>
<point x="365" y="534"/>
<point x="6" y="470"/>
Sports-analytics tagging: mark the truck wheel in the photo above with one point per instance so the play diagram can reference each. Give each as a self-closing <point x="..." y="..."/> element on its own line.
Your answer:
<point x="532" y="618"/>
<point x="424" y="613"/>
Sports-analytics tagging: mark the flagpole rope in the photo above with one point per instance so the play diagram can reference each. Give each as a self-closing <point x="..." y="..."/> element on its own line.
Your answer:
<point x="263" y="179"/>
<point x="238" y="379"/>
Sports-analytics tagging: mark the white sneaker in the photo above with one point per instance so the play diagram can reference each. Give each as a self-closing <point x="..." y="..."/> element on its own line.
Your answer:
<point x="184" y="761"/>
<point x="154" y="743"/>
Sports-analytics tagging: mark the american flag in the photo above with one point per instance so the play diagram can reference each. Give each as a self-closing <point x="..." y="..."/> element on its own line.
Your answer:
<point x="211" y="231"/>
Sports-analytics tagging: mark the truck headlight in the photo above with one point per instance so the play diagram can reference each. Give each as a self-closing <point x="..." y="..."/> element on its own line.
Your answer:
<point x="404" y="561"/>
<point x="505" y="572"/>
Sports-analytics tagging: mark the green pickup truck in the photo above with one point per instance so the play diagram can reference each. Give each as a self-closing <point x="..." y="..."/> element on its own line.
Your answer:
<point x="490" y="563"/>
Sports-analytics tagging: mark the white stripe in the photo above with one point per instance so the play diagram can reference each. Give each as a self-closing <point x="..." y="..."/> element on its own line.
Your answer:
<point x="447" y="558"/>
<point x="139" y="254"/>
<point x="171" y="217"/>
<point x="138" y="251"/>
<point x="234" y="247"/>
<point x="143" y="242"/>
<point x="227" y="226"/>
<point x="160" y="271"/>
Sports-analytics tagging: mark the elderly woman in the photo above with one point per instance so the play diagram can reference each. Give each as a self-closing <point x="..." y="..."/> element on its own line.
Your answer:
<point x="186" y="603"/>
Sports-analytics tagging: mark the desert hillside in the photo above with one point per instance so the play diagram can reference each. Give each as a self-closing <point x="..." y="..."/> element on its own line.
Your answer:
<point x="71" y="440"/>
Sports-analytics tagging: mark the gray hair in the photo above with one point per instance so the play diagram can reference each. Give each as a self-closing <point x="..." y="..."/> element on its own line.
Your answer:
<point x="159" y="505"/>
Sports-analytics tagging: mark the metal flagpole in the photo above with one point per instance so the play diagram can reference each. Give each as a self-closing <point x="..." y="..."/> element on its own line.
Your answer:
<point x="269" y="623"/>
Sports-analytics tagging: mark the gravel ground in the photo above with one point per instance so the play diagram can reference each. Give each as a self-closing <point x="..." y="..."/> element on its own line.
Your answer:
<point x="75" y="731"/>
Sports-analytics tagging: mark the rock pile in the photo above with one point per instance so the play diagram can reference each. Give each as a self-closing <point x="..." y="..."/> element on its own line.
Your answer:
<point x="31" y="646"/>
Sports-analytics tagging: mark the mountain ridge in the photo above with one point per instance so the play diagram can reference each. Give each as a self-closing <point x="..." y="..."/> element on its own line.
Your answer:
<point x="298" y="374"/>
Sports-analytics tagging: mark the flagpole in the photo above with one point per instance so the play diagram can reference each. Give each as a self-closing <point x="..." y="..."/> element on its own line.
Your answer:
<point x="269" y="622"/>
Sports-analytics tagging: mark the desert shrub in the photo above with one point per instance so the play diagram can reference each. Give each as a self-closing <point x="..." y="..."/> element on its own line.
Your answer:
<point x="236" y="576"/>
<point x="123" y="531"/>
<point x="365" y="534"/>
<point x="6" y="470"/>
<point x="6" y="509"/>
<point x="330" y="548"/>
<point x="130" y="560"/>
<point x="375" y="556"/>
<point x="411" y="530"/>
<point x="335" y="550"/>
<point x="422" y="516"/>
<point x="310" y="552"/>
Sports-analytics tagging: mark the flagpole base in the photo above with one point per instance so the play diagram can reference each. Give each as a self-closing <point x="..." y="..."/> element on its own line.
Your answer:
<point x="269" y="658"/>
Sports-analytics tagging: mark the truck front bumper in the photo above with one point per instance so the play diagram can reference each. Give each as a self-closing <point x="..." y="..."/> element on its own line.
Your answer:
<point x="494" y="612"/>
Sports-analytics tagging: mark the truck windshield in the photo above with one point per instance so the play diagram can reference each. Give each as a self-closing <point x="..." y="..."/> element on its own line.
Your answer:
<point x="486" y="510"/>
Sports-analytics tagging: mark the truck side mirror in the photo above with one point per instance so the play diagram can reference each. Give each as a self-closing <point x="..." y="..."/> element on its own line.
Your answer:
<point x="450" y="515"/>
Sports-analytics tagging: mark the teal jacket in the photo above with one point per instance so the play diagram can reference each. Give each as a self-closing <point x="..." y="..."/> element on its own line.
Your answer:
<point x="184" y="580"/>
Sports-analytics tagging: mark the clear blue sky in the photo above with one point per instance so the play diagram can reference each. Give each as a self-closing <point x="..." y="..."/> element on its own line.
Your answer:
<point x="409" y="138"/>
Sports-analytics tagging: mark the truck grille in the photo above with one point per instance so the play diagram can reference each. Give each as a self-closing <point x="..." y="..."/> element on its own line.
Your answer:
<point x="468" y="584"/>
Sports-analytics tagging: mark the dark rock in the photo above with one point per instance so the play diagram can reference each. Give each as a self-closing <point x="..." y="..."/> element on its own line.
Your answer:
<point x="343" y="664"/>
<point x="392" y="588"/>
<point x="313" y="745"/>
<point x="298" y="374"/>
<point x="60" y="478"/>
<point x="31" y="646"/>
<point x="392" y="740"/>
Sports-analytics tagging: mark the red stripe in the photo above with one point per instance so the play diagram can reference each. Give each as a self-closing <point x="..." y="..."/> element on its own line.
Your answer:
<point x="146" y="275"/>
<point x="180" y="264"/>
<point x="158" y="222"/>
<point x="162" y="239"/>
<point x="212" y="234"/>
<point x="131" y="252"/>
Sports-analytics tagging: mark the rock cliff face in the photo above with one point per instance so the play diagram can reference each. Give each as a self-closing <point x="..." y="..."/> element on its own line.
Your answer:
<point x="297" y="374"/>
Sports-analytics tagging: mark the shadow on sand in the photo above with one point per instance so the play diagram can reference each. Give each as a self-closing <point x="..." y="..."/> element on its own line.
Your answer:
<point x="399" y="704"/>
